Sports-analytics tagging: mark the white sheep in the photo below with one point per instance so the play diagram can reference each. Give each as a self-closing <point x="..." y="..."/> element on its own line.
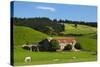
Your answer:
<point x="27" y="59"/>
<point x="74" y="57"/>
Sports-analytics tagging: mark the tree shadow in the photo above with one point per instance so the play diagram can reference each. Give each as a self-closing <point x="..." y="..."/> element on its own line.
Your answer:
<point x="71" y="35"/>
<point x="91" y="33"/>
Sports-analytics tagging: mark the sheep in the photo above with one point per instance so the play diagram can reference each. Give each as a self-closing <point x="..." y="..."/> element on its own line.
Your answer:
<point x="55" y="59"/>
<point x="74" y="57"/>
<point x="27" y="59"/>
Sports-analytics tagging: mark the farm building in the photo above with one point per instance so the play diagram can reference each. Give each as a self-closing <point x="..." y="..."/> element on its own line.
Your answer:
<point x="63" y="42"/>
<point x="45" y="45"/>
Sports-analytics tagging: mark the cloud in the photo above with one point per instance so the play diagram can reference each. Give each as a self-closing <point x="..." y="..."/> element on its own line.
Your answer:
<point x="46" y="8"/>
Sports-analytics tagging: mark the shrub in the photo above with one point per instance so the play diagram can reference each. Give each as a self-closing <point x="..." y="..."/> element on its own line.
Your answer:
<point x="78" y="46"/>
<point x="68" y="47"/>
<point x="54" y="44"/>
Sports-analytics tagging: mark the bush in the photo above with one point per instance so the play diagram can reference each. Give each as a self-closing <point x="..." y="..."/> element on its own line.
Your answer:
<point x="68" y="47"/>
<point x="78" y="46"/>
<point x="54" y="44"/>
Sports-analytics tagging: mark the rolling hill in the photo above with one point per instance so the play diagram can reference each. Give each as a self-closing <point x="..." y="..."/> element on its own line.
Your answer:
<point x="22" y="35"/>
<point x="85" y="35"/>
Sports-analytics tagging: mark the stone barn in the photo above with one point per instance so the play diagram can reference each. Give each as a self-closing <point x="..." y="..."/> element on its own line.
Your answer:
<point x="63" y="42"/>
<point x="44" y="45"/>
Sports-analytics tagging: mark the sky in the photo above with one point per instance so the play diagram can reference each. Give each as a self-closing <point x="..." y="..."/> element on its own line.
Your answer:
<point x="55" y="11"/>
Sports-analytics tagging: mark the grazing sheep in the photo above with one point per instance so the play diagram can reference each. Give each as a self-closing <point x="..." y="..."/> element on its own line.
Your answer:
<point x="27" y="59"/>
<point x="55" y="59"/>
<point x="74" y="57"/>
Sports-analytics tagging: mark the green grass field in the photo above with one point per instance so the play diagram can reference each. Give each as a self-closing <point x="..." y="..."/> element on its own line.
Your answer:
<point x="88" y="43"/>
<point x="51" y="57"/>
<point x="25" y="34"/>
<point x="81" y="29"/>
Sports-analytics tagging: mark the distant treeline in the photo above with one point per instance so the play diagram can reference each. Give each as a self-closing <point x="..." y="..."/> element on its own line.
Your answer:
<point x="46" y="25"/>
<point x="43" y="24"/>
<point x="93" y="24"/>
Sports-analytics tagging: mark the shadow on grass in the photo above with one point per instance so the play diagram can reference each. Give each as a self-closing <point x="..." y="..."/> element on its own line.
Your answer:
<point x="71" y="35"/>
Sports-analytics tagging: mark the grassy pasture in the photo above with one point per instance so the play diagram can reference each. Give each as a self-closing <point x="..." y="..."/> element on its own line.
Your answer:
<point x="23" y="34"/>
<point x="83" y="34"/>
<point x="51" y="57"/>
<point x="81" y="29"/>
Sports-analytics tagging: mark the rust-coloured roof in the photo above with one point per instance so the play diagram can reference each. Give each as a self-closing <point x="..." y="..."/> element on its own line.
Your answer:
<point x="66" y="40"/>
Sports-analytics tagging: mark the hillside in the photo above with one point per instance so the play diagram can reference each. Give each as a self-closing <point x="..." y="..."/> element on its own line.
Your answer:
<point x="42" y="24"/>
<point x="88" y="42"/>
<point x="86" y="35"/>
<point x="23" y="35"/>
<point x="81" y="29"/>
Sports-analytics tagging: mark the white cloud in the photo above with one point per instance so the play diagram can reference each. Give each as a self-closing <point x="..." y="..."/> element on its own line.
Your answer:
<point x="46" y="8"/>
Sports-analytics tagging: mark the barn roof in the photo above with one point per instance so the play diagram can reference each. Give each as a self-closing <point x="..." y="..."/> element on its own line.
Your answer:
<point x="64" y="40"/>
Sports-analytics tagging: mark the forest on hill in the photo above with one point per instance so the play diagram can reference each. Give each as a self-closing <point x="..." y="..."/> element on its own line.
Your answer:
<point x="46" y="25"/>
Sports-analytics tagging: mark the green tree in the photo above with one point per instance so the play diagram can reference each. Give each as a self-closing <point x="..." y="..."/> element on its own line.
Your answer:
<point x="54" y="44"/>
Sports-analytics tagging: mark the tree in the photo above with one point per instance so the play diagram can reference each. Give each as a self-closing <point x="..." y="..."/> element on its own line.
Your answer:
<point x="54" y="44"/>
<point x="41" y="24"/>
<point x="68" y="47"/>
<point x="50" y="30"/>
<point x="78" y="46"/>
<point x="75" y="25"/>
<point x="55" y="20"/>
<point x="61" y="21"/>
